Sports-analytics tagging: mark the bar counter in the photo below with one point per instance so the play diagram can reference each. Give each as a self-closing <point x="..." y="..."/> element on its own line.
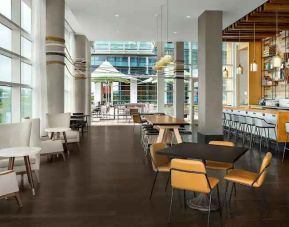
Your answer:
<point x="276" y="116"/>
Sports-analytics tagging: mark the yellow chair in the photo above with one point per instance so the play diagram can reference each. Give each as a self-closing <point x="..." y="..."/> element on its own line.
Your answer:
<point x="190" y="175"/>
<point x="220" y="165"/>
<point x="136" y="118"/>
<point x="248" y="178"/>
<point x="160" y="163"/>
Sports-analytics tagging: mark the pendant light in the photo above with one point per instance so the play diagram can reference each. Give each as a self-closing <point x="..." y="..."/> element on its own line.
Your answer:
<point x="276" y="61"/>
<point x="225" y="72"/>
<point x="167" y="59"/>
<point x="240" y="67"/>
<point x="253" y="65"/>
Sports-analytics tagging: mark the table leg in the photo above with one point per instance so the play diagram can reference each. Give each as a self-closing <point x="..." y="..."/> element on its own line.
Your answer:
<point x="29" y="173"/>
<point x="65" y="141"/>
<point x="11" y="163"/>
<point x="51" y="136"/>
<point x="178" y="135"/>
<point x="161" y="135"/>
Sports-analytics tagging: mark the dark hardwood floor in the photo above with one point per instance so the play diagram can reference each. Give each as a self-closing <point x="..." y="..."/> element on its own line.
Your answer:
<point x="107" y="184"/>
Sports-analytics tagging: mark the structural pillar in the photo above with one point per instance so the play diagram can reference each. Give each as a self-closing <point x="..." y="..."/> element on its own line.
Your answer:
<point x="160" y="83"/>
<point x="55" y="17"/>
<point x="179" y="95"/>
<point x="133" y="91"/>
<point x="80" y="94"/>
<point x="210" y="76"/>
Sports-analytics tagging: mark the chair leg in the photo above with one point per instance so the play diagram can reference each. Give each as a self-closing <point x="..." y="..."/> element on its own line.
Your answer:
<point x="185" y="200"/>
<point x="209" y="211"/>
<point x="231" y="193"/>
<point x="235" y="190"/>
<point x="36" y="172"/>
<point x="152" y="189"/>
<point x="18" y="199"/>
<point x="167" y="182"/>
<point x="219" y="202"/>
<point x="277" y="146"/>
<point x="227" y="186"/>
<point x="171" y="204"/>
<point x="285" y="147"/>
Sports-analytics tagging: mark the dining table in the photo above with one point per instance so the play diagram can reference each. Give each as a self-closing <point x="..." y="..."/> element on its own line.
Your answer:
<point x="165" y="124"/>
<point x="203" y="152"/>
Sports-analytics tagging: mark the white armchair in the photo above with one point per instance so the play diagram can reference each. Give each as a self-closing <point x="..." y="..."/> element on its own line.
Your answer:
<point x="9" y="186"/>
<point x="48" y="147"/>
<point x="62" y="120"/>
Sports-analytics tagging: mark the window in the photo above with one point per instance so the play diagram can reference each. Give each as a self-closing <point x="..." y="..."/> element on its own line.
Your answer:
<point x="26" y="74"/>
<point x="5" y="8"/>
<point x="15" y="60"/>
<point x="5" y="104"/>
<point x="26" y="102"/>
<point x="5" y="68"/>
<point x="6" y="37"/>
<point x="26" y="15"/>
<point x="26" y="48"/>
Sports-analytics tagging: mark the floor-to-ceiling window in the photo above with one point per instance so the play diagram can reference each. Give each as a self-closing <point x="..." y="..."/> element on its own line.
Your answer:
<point x="15" y="60"/>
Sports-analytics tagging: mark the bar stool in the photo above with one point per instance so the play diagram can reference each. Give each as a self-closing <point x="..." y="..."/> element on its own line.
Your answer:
<point x="285" y="146"/>
<point x="235" y="124"/>
<point x="228" y="122"/>
<point x="262" y="127"/>
<point x="242" y="127"/>
<point x="250" y="125"/>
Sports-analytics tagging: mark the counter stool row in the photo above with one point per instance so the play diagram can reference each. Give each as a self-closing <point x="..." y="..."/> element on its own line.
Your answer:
<point x="249" y="128"/>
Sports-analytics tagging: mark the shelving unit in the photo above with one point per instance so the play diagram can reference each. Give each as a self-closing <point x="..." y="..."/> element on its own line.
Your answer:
<point x="275" y="81"/>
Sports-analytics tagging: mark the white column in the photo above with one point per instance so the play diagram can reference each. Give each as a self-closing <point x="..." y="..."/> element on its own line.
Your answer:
<point x="97" y="93"/>
<point x="179" y="81"/>
<point x="133" y="91"/>
<point x="210" y="76"/>
<point x="55" y="18"/>
<point x="160" y="83"/>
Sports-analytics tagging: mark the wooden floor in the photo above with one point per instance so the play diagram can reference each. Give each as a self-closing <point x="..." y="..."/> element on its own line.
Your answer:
<point x="107" y="184"/>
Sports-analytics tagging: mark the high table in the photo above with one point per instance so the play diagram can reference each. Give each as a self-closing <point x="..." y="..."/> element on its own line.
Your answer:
<point x="166" y="123"/>
<point x="58" y="131"/>
<point x="16" y="152"/>
<point x="203" y="152"/>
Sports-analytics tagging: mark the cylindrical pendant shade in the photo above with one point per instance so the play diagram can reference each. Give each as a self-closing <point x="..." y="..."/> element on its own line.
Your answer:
<point x="240" y="69"/>
<point x="254" y="66"/>
<point x="276" y="61"/>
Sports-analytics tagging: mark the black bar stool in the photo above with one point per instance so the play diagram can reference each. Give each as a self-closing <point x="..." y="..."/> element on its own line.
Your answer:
<point x="285" y="146"/>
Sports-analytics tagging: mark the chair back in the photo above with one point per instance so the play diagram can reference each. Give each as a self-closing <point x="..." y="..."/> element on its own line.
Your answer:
<point x="235" y="117"/>
<point x="242" y="119"/>
<point x="259" y="122"/>
<point x="249" y="120"/>
<point x="59" y="120"/>
<point x="228" y="116"/>
<point x="287" y="127"/>
<point x="35" y="133"/>
<point x="222" y="143"/>
<point x="263" y="169"/>
<point x="133" y="111"/>
<point x="136" y="118"/>
<point x="189" y="175"/>
<point x="158" y="160"/>
<point x="15" y="134"/>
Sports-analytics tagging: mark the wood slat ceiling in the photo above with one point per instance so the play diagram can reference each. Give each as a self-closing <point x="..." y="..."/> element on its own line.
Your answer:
<point x="265" y="22"/>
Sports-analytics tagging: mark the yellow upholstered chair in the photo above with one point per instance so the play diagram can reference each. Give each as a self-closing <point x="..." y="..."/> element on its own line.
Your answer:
<point x="248" y="178"/>
<point x="190" y="175"/>
<point x="220" y="165"/>
<point x="136" y="118"/>
<point x="160" y="163"/>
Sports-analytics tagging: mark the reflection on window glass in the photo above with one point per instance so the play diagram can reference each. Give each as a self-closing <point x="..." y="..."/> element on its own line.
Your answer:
<point x="26" y="73"/>
<point x="5" y="104"/>
<point x="6" y="37"/>
<point x="5" y="8"/>
<point x="26" y="16"/>
<point x="26" y="102"/>
<point x="26" y="48"/>
<point x="5" y="68"/>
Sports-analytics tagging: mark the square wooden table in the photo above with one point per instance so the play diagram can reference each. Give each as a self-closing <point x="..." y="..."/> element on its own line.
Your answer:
<point x="166" y="123"/>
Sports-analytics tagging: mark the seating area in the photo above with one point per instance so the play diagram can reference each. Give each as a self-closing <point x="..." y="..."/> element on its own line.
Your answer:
<point x="156" y="113"/>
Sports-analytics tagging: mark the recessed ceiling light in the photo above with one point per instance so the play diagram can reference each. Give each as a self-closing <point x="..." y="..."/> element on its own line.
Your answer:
<point x="116" y="15"/>
<point x="188" y="17"/>
<point x="175" y="32"/>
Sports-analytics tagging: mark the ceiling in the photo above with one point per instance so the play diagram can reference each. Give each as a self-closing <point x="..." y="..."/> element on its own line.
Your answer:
<point x="137" y="19"/>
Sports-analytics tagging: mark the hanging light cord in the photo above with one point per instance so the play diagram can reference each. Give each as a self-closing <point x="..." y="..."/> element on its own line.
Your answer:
<point x="167" y="21"/>
<point x="276" y="31"/>
<point x="162" y="6"/>
<point x="254" y="41"/>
